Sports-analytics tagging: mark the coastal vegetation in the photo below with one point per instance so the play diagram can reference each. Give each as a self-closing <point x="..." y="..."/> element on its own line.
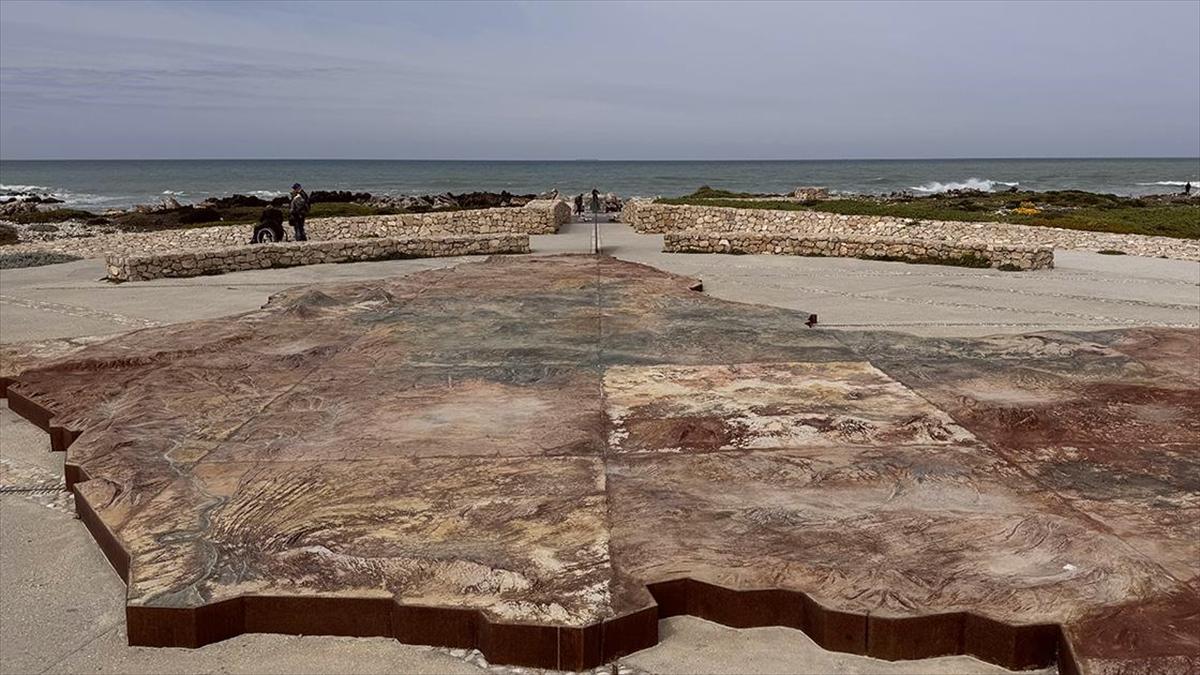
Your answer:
<point x="1163" y="216"/>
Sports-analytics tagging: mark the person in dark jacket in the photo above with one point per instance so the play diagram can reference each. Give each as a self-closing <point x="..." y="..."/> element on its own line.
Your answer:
<point x="299" y="210"/>
<point x="579" y="204"/>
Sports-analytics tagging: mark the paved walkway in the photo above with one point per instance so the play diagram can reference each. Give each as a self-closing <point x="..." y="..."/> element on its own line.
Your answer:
<point x="61" y="605"/>
<point x="1086" y="291"/>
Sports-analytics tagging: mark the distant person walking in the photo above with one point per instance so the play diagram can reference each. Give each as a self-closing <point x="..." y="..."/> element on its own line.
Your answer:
<point x="1187" y="189"/>
<point x="595" y="200"/>
<point x="579" y="204"/>
<point x="299" y="209"/>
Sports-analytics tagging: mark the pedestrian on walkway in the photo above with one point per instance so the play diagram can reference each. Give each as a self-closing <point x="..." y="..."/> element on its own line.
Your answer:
<point x="299" y="210"/>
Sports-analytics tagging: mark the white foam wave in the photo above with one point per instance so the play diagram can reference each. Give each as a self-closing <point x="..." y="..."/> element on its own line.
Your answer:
<point x="266" y="194"/>
<point x="11" y="189"/>
<point x="68" y="198"/>
<point x="984" y="184"/>
<point x="174" y="193"/>
<point x="1179" y="183"/>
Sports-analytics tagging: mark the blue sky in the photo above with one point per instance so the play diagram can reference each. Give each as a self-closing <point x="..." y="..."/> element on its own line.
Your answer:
<point x="570" y="80"/>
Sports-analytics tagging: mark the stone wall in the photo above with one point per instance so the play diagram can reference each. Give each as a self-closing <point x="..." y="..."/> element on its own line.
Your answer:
<point x="292" y="254"/>
<point x="537" y="217"/>
<point x="1000" y="256"/>
<point x="648" y="217"/>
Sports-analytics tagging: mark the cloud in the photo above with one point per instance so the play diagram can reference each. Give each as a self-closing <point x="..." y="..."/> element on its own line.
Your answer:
<point x="624" y="80"/>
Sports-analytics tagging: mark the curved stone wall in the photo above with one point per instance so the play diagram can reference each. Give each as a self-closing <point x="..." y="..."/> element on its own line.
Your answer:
<point x="872" y="248"/>
<point x="648" y="217"/>
<point x="294" y="254"/>
<point x="537" y="217"/>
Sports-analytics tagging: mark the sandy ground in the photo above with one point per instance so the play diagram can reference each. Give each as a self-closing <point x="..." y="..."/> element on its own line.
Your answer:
<point x="61" y="606"/>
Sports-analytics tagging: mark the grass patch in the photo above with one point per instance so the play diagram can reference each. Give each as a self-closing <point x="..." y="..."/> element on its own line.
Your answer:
<point x="1068" y="209"/>
<point x="12" y="261"/>
<point x="705" y="192"/>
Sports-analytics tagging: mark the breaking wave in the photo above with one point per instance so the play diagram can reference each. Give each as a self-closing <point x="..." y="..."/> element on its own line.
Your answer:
<point x="266" y="194"/>
<point x="1179" y="183"/>
<point x="68" y="198"/>
<point x="18" y="189"/>
<point x="983" y="184"/>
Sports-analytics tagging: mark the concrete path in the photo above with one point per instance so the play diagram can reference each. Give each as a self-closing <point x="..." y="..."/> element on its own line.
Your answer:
<point x="1086" y="291"/>
<point x="61" y="606"/>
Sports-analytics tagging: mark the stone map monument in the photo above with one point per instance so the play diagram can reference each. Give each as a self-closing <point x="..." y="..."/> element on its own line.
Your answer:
<point x="542" y="456"/>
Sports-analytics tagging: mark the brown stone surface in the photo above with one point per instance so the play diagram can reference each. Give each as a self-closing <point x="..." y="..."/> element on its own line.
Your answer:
<point x="539" y="457"/>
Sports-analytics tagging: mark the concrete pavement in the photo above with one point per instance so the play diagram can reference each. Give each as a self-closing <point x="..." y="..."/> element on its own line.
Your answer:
<point x="1086" y="291"/>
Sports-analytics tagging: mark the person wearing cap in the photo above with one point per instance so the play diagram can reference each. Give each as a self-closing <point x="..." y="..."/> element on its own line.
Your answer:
<point x="299" y="209"/>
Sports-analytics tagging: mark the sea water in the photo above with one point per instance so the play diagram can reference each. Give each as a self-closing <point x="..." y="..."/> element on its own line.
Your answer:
<point x="98" y="184"/>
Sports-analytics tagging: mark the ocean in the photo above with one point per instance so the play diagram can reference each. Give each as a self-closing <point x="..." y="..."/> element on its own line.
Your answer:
<point x="99" y="184"/>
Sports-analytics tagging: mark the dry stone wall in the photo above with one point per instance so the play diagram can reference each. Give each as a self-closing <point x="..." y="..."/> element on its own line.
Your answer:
<point x="1000" y="256"/>
<point x="542" y="216"/>
<point x="292" y="254"/>
<point x="648" y="217"/>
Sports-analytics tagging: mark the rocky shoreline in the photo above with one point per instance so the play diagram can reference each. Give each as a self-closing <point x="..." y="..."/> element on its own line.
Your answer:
<point x="33" y="218"/>
<point x="32" y="232"/>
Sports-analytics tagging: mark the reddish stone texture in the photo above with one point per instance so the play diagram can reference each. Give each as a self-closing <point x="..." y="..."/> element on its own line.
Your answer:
<point x="539" y="457"/>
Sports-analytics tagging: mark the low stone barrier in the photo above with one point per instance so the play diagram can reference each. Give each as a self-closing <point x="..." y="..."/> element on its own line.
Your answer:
<point x="292" y="254"/>
<point x="648" y="217"/>
<point x="1003" y="257"/>
<point x="540" y="216"/>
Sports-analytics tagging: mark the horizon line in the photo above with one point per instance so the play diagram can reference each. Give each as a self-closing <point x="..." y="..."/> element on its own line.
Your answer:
<point x="582" y="160"/>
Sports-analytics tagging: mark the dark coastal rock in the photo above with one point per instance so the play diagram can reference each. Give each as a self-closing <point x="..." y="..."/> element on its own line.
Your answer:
<point x="190" y="215"/>
<point x="233" y="201"/>
<point x="317" y="196"/>
<point x="490" y="200"/>
<point x="29" y="198"/>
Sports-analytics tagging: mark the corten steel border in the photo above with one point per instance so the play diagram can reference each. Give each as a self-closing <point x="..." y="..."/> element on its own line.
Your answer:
<point x="1013" y="646"/>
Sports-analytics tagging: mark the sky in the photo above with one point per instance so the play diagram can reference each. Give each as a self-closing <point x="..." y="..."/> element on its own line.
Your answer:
<point x="573" y="80"/>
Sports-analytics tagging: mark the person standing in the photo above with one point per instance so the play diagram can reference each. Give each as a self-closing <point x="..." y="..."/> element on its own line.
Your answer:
<point x="299" y="209"/>
<point x="579" y="204"/>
